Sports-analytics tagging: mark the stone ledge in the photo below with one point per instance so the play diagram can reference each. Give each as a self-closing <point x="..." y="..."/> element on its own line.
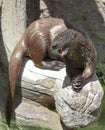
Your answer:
<point x="43" y="86"/>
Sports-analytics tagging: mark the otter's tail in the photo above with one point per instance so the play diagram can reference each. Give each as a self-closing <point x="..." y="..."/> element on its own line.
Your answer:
<point x="14" y="66"/>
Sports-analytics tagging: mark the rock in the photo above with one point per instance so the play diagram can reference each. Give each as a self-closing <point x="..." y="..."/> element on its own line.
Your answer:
<point x="88" y="16"/>
<point x="78" y="109"/>
<point x="75" y="109"/>
<point x="38" y="84"/>
<point x="28" y="111"/>
<point x="33" y="114"/>
<point x="84" y="105"/>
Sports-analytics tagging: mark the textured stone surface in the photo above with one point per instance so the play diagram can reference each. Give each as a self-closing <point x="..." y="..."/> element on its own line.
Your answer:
<point x="38" y="84"/>
<point x="28" y="112"/>
<point x="13" y="23"/>
<point x="33" y="114"/>
<point x="78" y="108"/>
<point x="75" y="109"/>
<point x="86" y="15"/>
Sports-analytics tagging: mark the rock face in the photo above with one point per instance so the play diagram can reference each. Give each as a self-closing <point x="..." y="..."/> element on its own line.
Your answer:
<point x="78" y="108"/>
<point x="75" y="108"/>
<point x="86" y="15"/>
<point x="29" y="112"/>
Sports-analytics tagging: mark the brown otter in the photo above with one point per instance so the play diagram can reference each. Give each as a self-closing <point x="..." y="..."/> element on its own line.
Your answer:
<point x="51" y="38"/>
<point x="79" y="55"/>
<point x="34" y="43"/>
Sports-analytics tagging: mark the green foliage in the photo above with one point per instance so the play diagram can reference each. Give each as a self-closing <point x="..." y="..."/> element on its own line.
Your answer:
<point x="3" y="126"/>
<point x="100" y="123"/>
<point x="100" y="71"/>
<point x="33" y="128"/>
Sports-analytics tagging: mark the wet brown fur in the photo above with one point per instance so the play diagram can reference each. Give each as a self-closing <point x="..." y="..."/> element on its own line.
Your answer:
<point x="81" y="55"/>
<point x="34" y="43"/>
<point x="37" y="42"/>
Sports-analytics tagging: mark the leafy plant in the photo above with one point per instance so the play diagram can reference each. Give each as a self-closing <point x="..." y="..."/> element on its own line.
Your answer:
<point x="100" y="71"/>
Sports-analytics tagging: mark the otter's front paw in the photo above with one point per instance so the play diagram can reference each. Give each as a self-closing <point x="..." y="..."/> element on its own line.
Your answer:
<point x="57" y="65"/>
<point x="77" y="83"/>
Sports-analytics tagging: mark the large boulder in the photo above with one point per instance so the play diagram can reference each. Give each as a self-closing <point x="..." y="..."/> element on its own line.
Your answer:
<point x="75" y="109"/>
<point x="78" y="109"/>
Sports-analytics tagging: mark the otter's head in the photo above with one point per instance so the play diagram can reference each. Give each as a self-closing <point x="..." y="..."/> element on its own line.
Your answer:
<point x="61" y="43"/>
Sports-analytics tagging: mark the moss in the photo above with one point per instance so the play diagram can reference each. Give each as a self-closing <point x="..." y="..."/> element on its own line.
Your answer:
<point x="3" y="126"/>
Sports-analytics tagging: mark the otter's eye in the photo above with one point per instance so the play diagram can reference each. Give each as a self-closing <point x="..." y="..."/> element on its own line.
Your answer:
<point x="54" y="47"/>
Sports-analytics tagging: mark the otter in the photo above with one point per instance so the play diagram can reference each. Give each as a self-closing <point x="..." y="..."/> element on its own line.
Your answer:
<point x="79" y="55"/>
<point x="34" y="43"/>
<point x="50" y="38"/>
